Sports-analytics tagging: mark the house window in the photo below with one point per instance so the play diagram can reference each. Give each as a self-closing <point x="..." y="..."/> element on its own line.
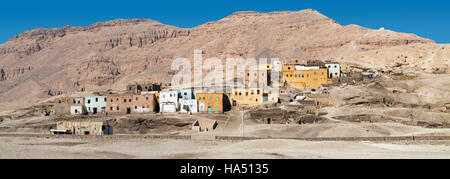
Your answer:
<point x="240" y="93"/>
<point x="104" y="99"/>
<point x="111" y="108"/>
<point x="146" y="98"/>
<point x="129" y="100"/>
<point x="117" y="107"/>
<point x="89" y="101"/>
<point x="252" y="92"/>
<point x="96" y="99"/>
<point x="257" y="91"/>
<point x="246" y="93"/>
<point x="235" y="93"/>
<point x="217" y="99"/>
<point x="124" y="100"/>
<point x="111" y="100"/>
<point x="137" y="98"/>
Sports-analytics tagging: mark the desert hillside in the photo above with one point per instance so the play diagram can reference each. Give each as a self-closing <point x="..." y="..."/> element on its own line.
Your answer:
<point x="41" y="63"/>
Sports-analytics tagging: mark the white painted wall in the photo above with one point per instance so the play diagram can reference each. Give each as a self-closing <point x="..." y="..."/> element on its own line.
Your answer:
<point x="98" y="102"/>
<point x="169" y="97"/>
<point x="191" y="103"/>
<point x="334" y="70"/>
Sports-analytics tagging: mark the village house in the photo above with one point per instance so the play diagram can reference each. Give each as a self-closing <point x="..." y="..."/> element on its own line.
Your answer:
<point x="138" y="88"/>
<point x="77" y="109"/>
<point x="247" y="96"/>
<point x="62" y="109"/>
<point x="188" y="105"/>
<point x="213" y="102"/>
<point x="78" y="100"/>
<point x="119" y="103"/>
<point x="81" y="128"/>
<point x="65" y="100"/>
<point x="130" y="103"/>
<point x="334" y="70"/>
<point x="311" y="78"/>
<point x="187" y="94"/>
<point x="345" y="70"/>
<point x="168" y="101"/>
<point x="144" y="103"/>
<point x="95" y="104"/>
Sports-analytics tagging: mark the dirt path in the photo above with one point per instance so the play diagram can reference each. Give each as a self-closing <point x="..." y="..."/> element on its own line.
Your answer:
<point x="233" y="124"/>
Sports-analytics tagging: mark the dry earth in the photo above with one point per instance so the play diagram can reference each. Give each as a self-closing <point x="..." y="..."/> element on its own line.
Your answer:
<point x="151" y="148"/>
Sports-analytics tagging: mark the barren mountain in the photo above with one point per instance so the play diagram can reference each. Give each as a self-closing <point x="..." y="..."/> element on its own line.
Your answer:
<point x="40" y="63"/>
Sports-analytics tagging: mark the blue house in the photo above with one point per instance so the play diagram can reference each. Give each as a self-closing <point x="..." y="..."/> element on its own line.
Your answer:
<point x="187" y="94"/>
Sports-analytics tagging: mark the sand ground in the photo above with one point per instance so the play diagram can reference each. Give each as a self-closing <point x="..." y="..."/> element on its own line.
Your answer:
<point x="24" y="147"/>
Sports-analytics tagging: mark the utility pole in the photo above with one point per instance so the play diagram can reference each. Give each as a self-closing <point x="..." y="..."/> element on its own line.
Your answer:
<point x="412" y="122"/>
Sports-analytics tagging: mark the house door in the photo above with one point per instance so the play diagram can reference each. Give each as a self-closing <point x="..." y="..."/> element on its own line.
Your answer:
<point x="202" y="107"/>
<point x="209" y="109"/>
<point x="128" y="110"/>
<point x="234" y="102"/>
<point x="94" y="110"/>
<point x="217" y="109"/>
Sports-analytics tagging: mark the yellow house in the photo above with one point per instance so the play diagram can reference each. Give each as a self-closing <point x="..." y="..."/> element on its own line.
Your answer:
<point x="247" y="96"/>
<point x="306" y="78"/>
<point x="212" y="102"/>
<point x="288" y="68"/>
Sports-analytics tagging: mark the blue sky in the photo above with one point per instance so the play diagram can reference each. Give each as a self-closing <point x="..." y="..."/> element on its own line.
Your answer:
<point x="430" y="19"/>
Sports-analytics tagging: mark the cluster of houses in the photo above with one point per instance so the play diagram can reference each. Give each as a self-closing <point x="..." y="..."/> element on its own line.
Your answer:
<point x="149" y="98"/>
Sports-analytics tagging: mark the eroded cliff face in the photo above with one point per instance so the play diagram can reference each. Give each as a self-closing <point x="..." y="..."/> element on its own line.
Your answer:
<point x="114" y="53"/>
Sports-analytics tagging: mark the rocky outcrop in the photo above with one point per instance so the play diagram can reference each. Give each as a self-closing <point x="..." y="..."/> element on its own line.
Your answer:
<point x="114" y="53"/>
<point x="6" y="74"/>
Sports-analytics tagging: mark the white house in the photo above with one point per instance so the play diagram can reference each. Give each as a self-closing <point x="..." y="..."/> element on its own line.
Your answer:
<point x="168" y="101"/>
<point x="95" y="104"/>
<point x="77" y="110"/>
<point x="78" y="100"/>
<point x="188" y="105"/>
<point x="334" y="70"/>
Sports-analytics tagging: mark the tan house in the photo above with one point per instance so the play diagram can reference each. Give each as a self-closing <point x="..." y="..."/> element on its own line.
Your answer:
<point x="130" y="103"/>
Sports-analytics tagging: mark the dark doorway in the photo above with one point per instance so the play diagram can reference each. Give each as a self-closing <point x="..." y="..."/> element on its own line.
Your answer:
<point x="269" y="121"/>
<point x="234" y="102"/>
<point x="128" y="110"/>
<point x="94" y="110"/>
<point x="86" y="132"/>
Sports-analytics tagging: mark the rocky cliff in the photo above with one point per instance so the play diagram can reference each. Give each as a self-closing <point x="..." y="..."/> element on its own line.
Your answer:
<point x="114" y="53"/>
